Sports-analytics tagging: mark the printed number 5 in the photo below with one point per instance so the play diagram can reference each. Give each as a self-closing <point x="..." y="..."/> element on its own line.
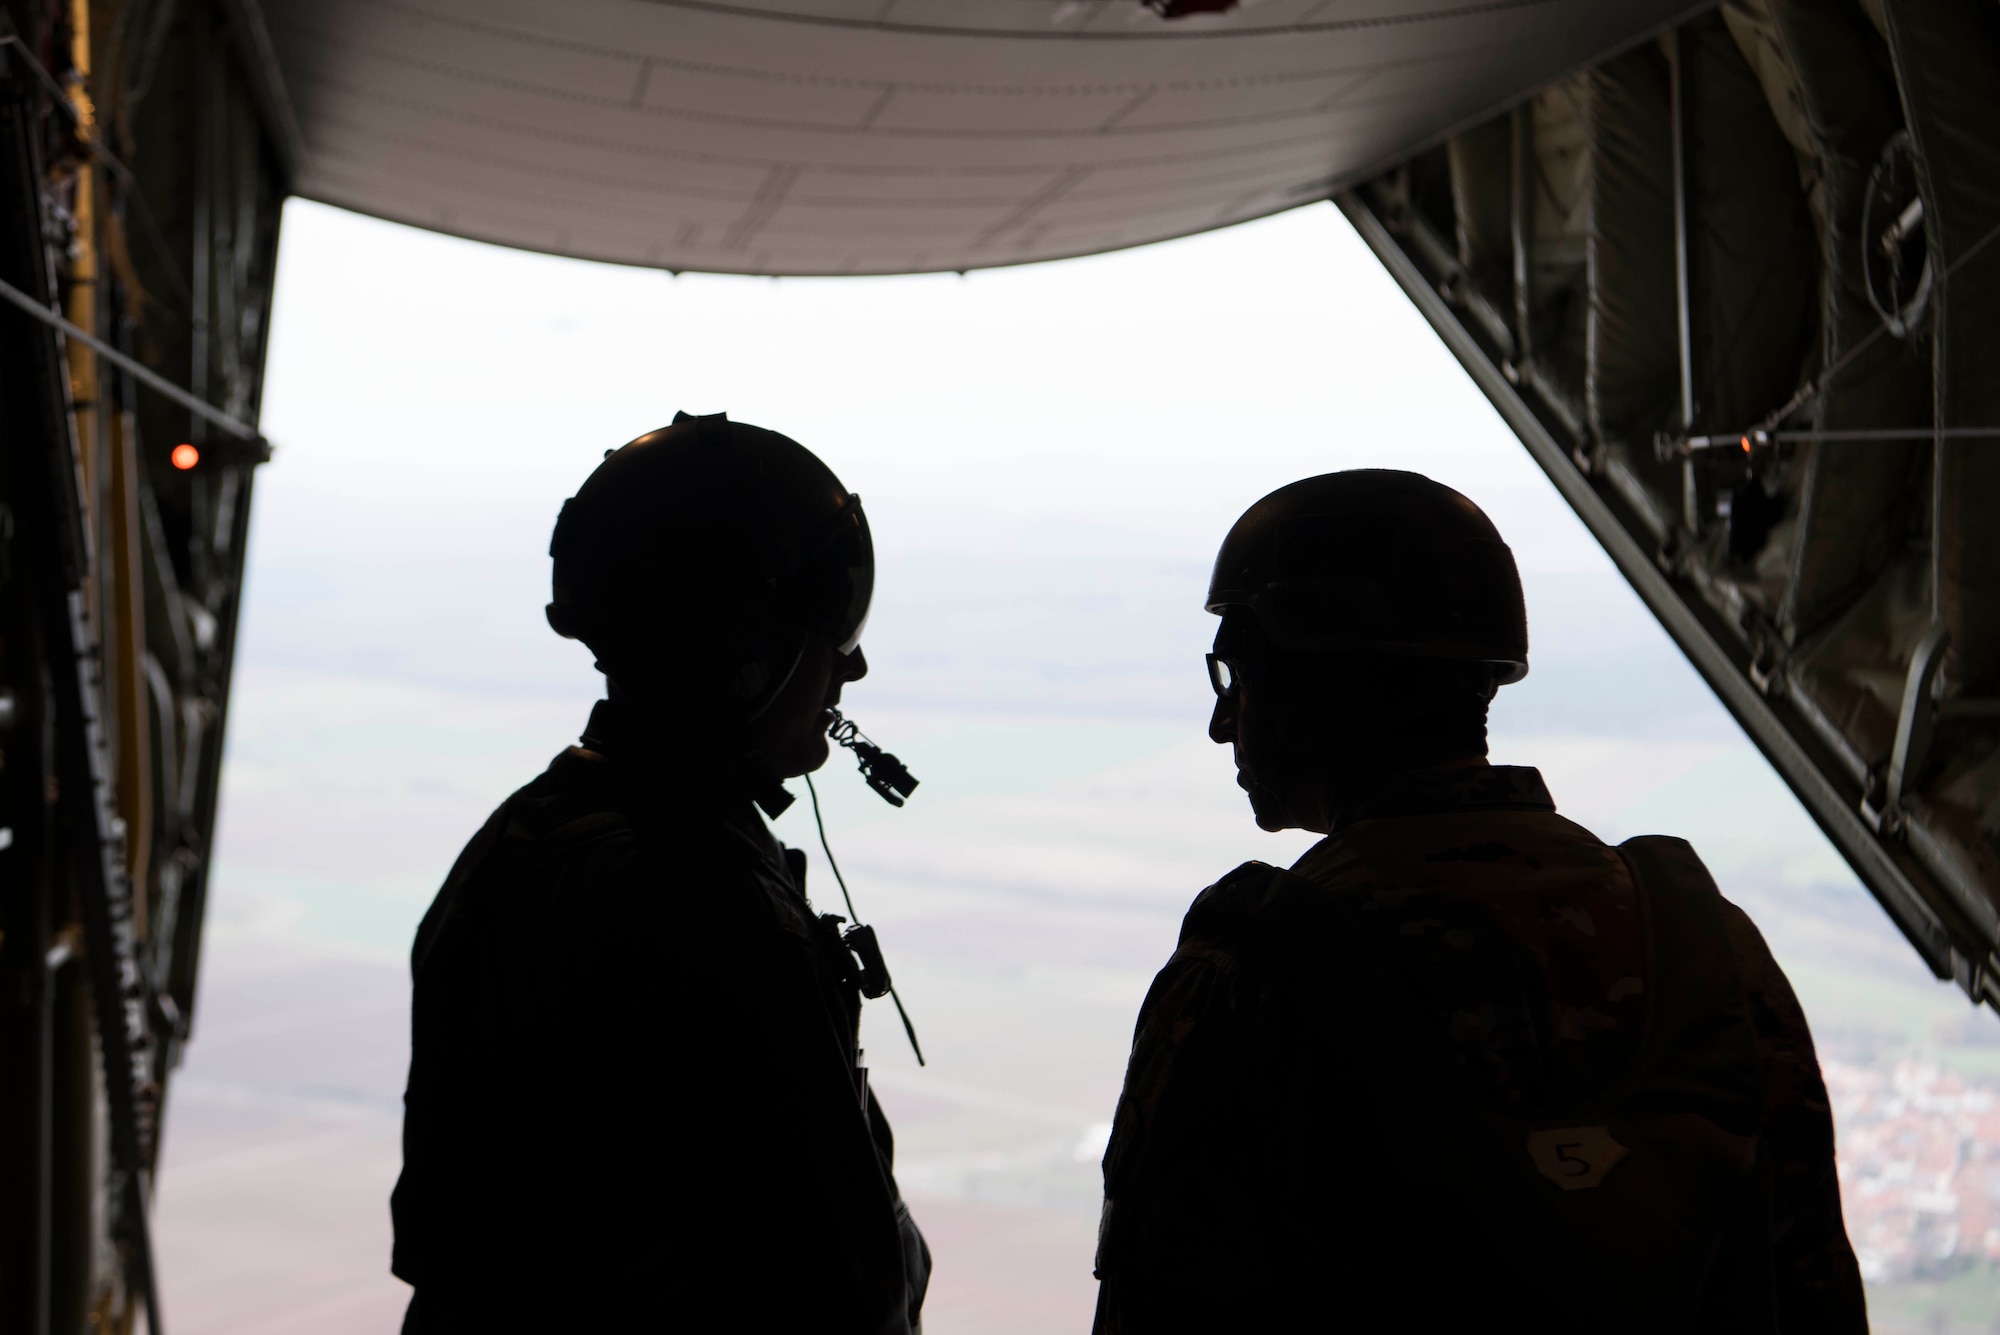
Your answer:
<point x="1575" y="1158"/>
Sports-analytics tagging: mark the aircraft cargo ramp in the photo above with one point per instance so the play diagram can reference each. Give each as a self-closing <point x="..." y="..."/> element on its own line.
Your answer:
<point x="1729" y="273"/>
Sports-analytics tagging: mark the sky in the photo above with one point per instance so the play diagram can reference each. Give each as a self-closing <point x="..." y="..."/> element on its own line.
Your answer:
<point x="1049" y="457"/>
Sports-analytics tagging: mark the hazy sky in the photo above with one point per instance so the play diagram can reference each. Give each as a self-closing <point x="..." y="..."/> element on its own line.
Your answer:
<point x="1049" y="456"/>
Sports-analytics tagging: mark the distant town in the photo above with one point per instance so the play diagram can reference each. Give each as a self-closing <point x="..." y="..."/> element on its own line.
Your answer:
<point x="1919" y="1156"/>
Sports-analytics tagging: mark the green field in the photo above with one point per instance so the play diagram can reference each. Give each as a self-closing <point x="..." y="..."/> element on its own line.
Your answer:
<point x="1959" y="1305"/>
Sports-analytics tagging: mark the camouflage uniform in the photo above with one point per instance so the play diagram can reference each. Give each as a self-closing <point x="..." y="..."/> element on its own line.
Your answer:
<point x="634" y="1101"/>
<point x="1467" y="1068"/>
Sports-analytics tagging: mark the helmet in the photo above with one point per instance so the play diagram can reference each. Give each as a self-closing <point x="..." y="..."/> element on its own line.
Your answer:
<point x="718" y="543"/>
<point x="1376" y="559"/>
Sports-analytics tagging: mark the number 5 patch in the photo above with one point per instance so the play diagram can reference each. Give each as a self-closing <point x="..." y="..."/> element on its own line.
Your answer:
<point x="1575" y="1158"/>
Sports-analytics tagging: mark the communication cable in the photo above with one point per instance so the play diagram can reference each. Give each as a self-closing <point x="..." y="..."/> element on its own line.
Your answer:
<point x="860" y="938"/>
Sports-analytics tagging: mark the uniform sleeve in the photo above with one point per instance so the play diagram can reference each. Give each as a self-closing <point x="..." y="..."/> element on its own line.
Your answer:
<point x="1181" y="1245"/>
<point x="1816" y="1281"/>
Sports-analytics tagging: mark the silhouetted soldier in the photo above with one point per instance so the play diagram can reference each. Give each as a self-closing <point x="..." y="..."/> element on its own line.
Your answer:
<point x="1463" y="1067"/>
<point x="635" y="1101"/>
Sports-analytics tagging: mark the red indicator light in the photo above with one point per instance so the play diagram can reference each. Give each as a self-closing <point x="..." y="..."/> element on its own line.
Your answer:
<point x="185" y="457"/>
<point x="1746" y="444"/>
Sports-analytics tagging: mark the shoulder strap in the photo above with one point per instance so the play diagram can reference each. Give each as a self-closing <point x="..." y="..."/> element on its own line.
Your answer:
<point x="1696" y="1098"/>
<point x="1700" y="1024"/>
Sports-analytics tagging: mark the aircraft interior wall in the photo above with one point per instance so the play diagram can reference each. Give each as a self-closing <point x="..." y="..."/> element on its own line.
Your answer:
<point x="139" y="201"/>
<point x="1730" y="286"/>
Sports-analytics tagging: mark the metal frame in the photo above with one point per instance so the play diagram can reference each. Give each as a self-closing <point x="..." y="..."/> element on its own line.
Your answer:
<point x="46" y="474"/>
<point x="1925" y="910"/>
<point x="120" y="585"/>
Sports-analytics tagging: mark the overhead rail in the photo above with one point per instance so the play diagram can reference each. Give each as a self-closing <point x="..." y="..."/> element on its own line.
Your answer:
<point x="1670" y="447"/>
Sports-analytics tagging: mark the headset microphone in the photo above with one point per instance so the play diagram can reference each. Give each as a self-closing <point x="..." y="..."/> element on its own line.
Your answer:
<point x="884" y="773"/>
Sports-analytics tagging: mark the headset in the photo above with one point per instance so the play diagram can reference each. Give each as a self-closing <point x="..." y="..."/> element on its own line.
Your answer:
<point x="884" y="773"/>
<point x="888" y="777"/>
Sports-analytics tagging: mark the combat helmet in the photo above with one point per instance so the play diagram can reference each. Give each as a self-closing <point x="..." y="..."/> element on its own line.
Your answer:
<point x="1376" y="560"/>
<point x="711" y="549"/>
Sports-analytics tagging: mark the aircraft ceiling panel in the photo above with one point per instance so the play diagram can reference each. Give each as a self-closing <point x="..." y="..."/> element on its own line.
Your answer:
<point x="886" y="136"/>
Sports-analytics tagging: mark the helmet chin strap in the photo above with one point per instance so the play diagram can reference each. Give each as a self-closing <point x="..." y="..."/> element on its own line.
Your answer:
<point x="766" y="787"/>
<point x="762" y="701"/>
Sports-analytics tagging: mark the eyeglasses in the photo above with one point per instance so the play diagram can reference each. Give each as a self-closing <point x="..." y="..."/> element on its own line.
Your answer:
<point x="1223" y="676"/>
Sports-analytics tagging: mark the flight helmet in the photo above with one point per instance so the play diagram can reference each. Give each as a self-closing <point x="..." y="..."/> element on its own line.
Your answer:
<point x="1376" y="560"/>
<point x="708" y="551"/>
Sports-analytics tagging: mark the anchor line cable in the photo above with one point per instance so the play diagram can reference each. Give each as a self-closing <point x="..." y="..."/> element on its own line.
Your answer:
<point x="90" y="137"/>
<point x="1761" y="437"/>
<point x="139" y="371"/>
<point x="1813" y="386"/>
